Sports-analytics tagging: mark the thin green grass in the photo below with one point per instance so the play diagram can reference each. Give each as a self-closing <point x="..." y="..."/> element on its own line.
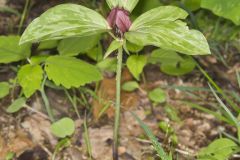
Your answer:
<point x="157" y="146"/>
<point x="87" y="139"/>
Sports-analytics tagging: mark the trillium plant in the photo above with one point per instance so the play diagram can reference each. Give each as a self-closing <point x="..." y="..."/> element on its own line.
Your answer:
<point x="160" y="27"/>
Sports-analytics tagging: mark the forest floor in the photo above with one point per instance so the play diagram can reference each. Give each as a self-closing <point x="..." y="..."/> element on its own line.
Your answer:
<point x="27" y="133"/>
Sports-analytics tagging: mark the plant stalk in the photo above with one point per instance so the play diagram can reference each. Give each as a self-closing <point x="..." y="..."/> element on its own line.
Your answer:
<point x="24" y="15"/>
<point x="46" y="102"/>
<point x="118" y="104"/>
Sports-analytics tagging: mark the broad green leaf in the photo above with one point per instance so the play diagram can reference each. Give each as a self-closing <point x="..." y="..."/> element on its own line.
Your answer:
<point x="229" y="9"/>
<point x="63" y="128"/>
<point x="4" y="89"/>
<point x="30" y="78"/>
<point x="16" y="105"/>
<point x="157" y="95"/>
<point x="130" y="86"/>
<point x="10" y="51"/>
<point x="145" y="5"/>
<point x="163" y="28"/>
<point x="128" y="5"/>
<point x="96" y="53"/>
<point x="172" y="63"/>
<point x="108" y="64"/>
<point x="180" y="68"/>
<point x="113" y="46"/>
<point x="133" y="47"/>
<point x="220" y="149"/>
<point x="164" y="56"/>
<point x="64" y="21"/>
<point x="48" y="45"/>
<point x="70" y="71"/>
<point x="192" y="4"/>
<point x="39" y="59"/>
<point x="76" y="45"/>
<point x="136" y="64"/>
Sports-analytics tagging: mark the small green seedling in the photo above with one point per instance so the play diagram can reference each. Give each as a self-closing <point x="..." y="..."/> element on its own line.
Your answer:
<point x="16" y="105"/>
<point x="169" y="131"/>
<point x="63" y="127"/>
<point x="157" y="96"/>
<point x="130" y="86"/>
<point x="5" y="88"/>
<point x="220" y="149"/>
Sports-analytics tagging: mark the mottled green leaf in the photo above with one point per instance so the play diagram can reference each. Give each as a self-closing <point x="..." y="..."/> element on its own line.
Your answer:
<point x="10" y="51"/>
<point x="4" y="89"/>
<point x="30" y="78"/>
<point x="136" y="64"/>
<point x="70" y="71"/>
<point x="164" y="56"/>
<point x="130" y="86"/>
<point x="64" y="21"/>
<point x="220" y="149"/>
<point x="163" y="28"/>
<point x="39" y="59"/>
<point x="180" y="68"/>
<point x="145" y="5"/>
<point x="229" y="9"/>
<point x="128" y="5"/>
<point x="171" y="62"/>
<point x="76" y="45"/>
<point x="62" y="128"/>
<point x="16" y="105"/>
<point x="113" y="46"/>
<point x="192" y="4"/>
<point x="48" y="45"/>
<point x="133" y="47"/>
<point x="96" y="53"/>
<point x="157" y="95"/>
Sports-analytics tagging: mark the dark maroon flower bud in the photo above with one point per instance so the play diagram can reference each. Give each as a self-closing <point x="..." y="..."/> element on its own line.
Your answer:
<point x="119" y="19"/>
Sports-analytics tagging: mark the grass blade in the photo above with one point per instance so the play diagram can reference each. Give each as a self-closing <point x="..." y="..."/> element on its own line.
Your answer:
<point x="86" y="138"/>
<point x="157" y="146"/>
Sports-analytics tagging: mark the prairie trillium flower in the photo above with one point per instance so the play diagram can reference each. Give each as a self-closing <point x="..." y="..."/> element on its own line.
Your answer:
<point x="160" y="27"/>
<point x="118" y="19"/>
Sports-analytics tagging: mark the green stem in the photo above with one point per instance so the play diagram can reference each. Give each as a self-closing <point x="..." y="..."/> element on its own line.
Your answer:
<point x="24" y="14"/>
<point x="46" y="102"/>
<point x="118" y="104"/>
<point x="73" y="102"/>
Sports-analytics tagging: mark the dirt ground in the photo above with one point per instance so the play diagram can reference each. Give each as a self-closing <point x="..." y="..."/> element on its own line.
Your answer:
<point x="27" y="133"/>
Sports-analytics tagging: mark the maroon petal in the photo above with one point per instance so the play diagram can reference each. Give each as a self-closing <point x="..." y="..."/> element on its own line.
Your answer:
<point x="119" y="19"/>
<point x="123" y="22"/>
<point x="111" y="17"/>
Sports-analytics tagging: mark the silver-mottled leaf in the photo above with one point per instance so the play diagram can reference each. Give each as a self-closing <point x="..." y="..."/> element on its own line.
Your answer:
<point x="128" y="5"/>
<point x="161" y="27"/>
<point x="63" y="21"/>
